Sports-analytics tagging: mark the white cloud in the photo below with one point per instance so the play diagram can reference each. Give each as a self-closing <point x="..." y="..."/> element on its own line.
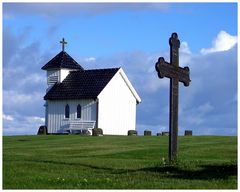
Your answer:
<point x="184" y="48"/>
<point x="22" y="125"/>
<point x="8" y="117"/>
<point x="32" y="78"/>
<point x="153" y="84"/>
<point x="24" y="80"/>
<point x="33" y="119"/>
<point x="26" y="104"/>
<point x="23" y="83"/>
<point x="194" y="119"/>
<point x="197" y="116"/>
<point x="14" y="98"/>
<point x="90" y="59"/>
<point x="223" y="42"/>
<point x="205" y="108"/>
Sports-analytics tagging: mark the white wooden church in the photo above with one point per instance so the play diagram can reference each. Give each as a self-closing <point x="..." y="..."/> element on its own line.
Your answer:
<point x="79" y="99"/>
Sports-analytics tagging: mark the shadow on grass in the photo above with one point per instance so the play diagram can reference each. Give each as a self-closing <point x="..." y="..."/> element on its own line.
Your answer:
<point x="204" y="172"/>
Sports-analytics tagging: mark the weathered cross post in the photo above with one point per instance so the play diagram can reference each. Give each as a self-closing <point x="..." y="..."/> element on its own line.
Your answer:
<point x="176" y="74"/>
<point x="63" y="42"/>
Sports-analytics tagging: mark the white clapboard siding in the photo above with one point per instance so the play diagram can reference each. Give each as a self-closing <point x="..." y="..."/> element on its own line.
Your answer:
<point x="117" y="106"/>
<point x="56" y="121"/>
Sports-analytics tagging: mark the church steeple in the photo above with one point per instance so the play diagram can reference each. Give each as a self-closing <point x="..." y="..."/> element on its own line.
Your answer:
<point x="62" y="60"/>
<point x="59" y="66"/>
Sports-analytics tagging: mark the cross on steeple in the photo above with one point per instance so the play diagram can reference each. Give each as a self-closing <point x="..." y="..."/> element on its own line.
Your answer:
<point x="63" y="43"/>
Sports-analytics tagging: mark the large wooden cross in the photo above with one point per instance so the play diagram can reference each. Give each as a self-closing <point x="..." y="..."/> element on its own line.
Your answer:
<point x="63" y="42"/>
<point x="176" y="74"/>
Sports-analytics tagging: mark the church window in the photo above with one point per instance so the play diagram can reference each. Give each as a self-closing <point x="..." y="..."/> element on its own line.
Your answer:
<point x="67" y="111"/>
<point x="79" y="109"/>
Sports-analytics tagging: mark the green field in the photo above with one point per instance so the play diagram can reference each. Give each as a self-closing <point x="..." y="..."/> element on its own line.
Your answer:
<point x="118" y="162"/>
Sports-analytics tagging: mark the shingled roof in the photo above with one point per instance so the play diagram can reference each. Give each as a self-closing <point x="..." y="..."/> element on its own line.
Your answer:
<point x="86" y="84"/>
<point x="62" y="60"/>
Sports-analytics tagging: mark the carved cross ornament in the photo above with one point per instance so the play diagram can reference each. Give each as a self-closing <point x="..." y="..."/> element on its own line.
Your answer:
<point x="172" y="69"/>
<point x="176" y="74"/>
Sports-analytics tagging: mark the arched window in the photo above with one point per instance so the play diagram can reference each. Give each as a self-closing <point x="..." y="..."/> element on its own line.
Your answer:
<point x="67" y="111"/>
<point x="79" y="109"/>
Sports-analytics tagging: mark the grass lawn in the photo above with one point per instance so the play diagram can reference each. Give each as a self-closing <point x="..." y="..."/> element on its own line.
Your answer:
<point x="118" y="162"/>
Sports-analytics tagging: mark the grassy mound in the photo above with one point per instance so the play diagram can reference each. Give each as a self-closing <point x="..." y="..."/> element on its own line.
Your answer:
<point x="118" y="162"/>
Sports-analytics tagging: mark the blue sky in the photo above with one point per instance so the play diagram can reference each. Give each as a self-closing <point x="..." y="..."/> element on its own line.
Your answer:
<point x="131" y="35"/>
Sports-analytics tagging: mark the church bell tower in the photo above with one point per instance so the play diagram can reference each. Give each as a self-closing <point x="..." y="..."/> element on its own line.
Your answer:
<point x="60" y="66"/>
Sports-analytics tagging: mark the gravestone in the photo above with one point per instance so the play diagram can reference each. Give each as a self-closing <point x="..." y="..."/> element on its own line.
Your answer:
<point x="132" y="132"/>
<point x="147" y="133"/>
<point x="188" y="133"/>
<point x="176" y="74"/>
<point x="42" y="130"/>
<point x="97" y="132"/>
<point x="165" y="133"/>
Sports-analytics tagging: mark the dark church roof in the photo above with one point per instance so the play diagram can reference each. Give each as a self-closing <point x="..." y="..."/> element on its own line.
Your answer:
<point x="62" y="60"/>
<point x="84" y="84"/>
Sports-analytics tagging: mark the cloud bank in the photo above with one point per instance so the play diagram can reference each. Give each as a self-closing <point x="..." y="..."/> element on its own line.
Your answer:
<point x="207" y="106"/>
<point x="48" y="10"/>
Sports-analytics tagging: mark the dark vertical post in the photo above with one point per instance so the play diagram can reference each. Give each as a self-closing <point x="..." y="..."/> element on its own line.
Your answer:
<point x="173" y="121"/>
